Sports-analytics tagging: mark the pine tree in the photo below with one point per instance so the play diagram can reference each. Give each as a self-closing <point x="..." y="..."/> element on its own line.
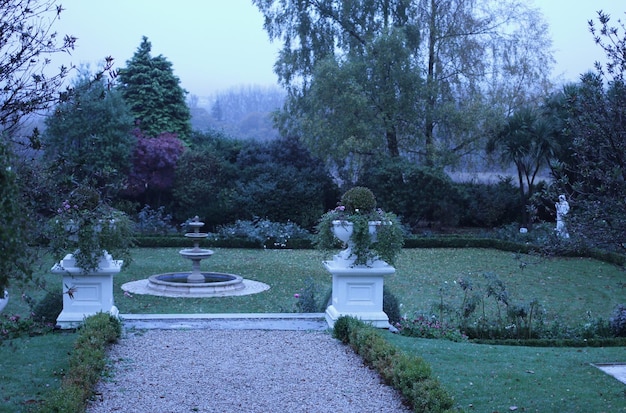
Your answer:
<point x="154" y="94"/>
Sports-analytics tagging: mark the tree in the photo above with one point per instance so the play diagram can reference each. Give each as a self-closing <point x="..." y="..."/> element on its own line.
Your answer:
<point x="88" y="137"/>
<point x="421" y="74"/>
<point x="592" y="157"/>
<point x="27" y="83"/>
<point x="154" y="166"/>
<point x="525" y="141"/>
<point x="154" y="95"/>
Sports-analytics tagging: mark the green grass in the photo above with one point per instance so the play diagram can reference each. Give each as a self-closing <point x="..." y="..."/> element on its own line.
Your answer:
<point x="32" y="367"/>
<point x="486" y="378"/>
<point x="491" y="378"/>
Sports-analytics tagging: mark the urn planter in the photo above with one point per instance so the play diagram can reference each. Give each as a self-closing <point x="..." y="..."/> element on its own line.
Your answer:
<point x="86" y="293"/>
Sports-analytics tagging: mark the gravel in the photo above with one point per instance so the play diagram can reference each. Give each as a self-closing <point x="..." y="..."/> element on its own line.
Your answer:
<point x="239" y="371"/>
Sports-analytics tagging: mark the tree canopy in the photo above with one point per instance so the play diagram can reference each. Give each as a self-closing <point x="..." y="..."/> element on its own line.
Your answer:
<point x="154" y="94"/>
<point x="88" y="137"/>
<point x="420" y="79"/>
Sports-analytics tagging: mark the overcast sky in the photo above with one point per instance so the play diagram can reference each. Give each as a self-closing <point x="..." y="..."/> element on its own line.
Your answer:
<point x="218" y="44"/>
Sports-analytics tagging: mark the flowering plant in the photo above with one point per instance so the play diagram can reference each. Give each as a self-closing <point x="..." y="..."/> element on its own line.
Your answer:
<point x="88" y="228"/>
<point x="375" y="233"/>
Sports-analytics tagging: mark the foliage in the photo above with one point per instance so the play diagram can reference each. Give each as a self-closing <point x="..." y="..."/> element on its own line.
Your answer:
<point x="281" y="181"/>
<point x="88" y="137"/>
<point x="154" y="164"/>
<point x="12" y="326"/>
<point x="87" y="227"/>
<point x="48" y="308"/>
<point x="87" y="362"/>
<point x="15" y="258"/>
<point x="264" y="233"/>
<point x="426" y="326"/>
<point x="525" y="140"/>
<point x="205" y="178"/>
<point x="307" y="299"/>
<point x="154" y="94"/>
<point x="591" y="116"/>
<point x="391" y="305"/>
<point x="409" y="374"/>
<point x="359" y="199"/>
<point x="27" y="42"/>
<point x="154" y="222"/>
<point x="416" y="79"/>
<point x="245" y="112"/>
<point x="375" y="234"/>
<point x="415" y="193"/>
<point x="617" y="321"/>
<point x="490" y="205"/>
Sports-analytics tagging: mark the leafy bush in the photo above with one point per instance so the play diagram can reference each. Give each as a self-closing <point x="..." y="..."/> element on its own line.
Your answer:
<point x="265" y="233"/>
<point x="308" y="299"/>
<point x="489" y="205"/>
<point x="429" y="327"/>
<point x="391" y="306"/>
<point x="87" y="361"/>
<point x="618" y="321"/>
<point x="408" y="374"/>
<point x="154" y="222"/>
<point x="48" y="309"/>
<point x="359" y="199"/>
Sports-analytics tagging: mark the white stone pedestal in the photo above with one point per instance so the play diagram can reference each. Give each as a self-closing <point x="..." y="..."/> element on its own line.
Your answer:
<point x="358" y="291"/>
<point x="86" y="294"/>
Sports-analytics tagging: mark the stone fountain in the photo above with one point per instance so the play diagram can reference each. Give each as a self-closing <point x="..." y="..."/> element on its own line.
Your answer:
<point x="196" y="283"/>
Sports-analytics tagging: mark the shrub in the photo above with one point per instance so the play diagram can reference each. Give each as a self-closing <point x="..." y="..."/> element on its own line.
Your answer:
<point x="618" y="321"/>
<point x="408" y="374"/>
<point x="87" y="362"/>
<point x="264" y="233"/>
<point x="154" y="222"/>
<point x="48" y="309"/>
<point x="359" y="199"/>
<point x="308" y="300"/>
<point x="391" y="306"/>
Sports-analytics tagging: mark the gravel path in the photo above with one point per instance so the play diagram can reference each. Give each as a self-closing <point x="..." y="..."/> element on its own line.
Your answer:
<point x="169" y="371"/>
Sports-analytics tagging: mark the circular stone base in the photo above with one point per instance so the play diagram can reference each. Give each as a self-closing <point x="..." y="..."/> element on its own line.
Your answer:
<point x="194" y="290"/>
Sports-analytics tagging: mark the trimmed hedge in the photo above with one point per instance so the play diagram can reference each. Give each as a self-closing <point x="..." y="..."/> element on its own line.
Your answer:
<point x="87" y="362"/>
<point x="408" y="374"/>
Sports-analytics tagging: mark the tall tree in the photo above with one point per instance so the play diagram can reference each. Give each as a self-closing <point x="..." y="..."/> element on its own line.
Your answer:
<point x="526" y="140"/>
<point x="592" y="160"/>
<point x="88" y="137"/>
<point x="154" y="94"/>
<point x="425" y="71"/>
<point x="27" y="44"/>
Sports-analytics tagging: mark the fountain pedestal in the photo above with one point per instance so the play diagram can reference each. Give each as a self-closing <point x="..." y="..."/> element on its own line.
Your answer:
<point x="86" y="294"/>
<point x="357" y="291"/>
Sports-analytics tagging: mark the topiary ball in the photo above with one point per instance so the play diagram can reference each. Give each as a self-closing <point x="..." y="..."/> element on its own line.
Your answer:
<point x="359" y="199"/>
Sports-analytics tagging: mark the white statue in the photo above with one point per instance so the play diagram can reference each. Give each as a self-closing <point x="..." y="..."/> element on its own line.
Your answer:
<point x="562" y="208"/>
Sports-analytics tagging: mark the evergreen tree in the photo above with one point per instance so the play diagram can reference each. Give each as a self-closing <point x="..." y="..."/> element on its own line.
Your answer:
<point x="154" y="94"/>
<point x="89" y="138"/>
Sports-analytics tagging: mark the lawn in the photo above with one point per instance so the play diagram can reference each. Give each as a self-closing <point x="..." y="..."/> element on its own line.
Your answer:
<point x="31" y="367"/>
<point x="489" y="378"/>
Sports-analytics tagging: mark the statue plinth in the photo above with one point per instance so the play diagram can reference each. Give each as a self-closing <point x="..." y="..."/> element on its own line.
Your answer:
<point x="358" y="291"/>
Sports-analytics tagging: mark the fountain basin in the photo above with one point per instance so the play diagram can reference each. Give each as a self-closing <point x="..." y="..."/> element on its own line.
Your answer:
<point x="215" y="283"/>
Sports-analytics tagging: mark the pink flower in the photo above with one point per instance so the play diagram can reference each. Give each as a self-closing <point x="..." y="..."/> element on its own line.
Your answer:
<point x="296" y="295"/>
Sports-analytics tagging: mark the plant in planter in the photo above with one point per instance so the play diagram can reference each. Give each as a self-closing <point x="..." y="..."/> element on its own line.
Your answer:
<point x="89" y="228"/>
<point x="369" y="233"/>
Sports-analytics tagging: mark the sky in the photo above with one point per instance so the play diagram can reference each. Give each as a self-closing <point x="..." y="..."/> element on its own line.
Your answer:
<point x="215" y="45"/>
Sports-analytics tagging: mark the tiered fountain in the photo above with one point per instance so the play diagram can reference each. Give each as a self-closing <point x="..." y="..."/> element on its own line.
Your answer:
<point x="196" y="283"/>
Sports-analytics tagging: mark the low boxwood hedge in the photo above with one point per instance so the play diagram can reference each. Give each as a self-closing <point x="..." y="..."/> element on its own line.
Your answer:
<point x="408" y="374"/>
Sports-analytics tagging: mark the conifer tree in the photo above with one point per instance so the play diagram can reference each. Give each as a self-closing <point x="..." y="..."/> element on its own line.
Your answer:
<point x="154" y="94"/>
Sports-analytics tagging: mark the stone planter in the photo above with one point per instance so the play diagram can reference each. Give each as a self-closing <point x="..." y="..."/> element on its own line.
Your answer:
<point x="358" y="291"/>
<point x="86" y="294"/>
<point x="342" y="230"/>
